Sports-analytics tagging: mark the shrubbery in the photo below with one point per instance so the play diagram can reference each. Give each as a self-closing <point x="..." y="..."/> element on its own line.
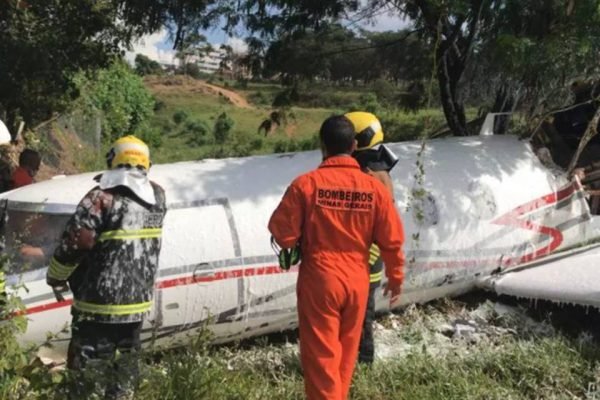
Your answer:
<point x="118" y="96"/>
<point x="180" y="116"/>
<point x="222" y="129"/>
<point x="198" y="131"/>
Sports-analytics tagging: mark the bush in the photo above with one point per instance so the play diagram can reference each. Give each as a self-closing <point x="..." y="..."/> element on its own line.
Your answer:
<point x="287" y="146"/>
<point x="367" y="102"/>
<point x="280" y="147"/>
<point x="150" y="134"/>
<point x="309" y="143"/>
<point x="399" y="126"/>
<point x="241" y="83"/>
<point x="222" y="129"/>
<point x="119" y="95"/>
<point x="180" y="116"/>
<point x="414" y="98"/>
<point x="198" y="131"/>
<point x="192" y="69"/>
<point x="260" y="98"/>
<point x="159" y="105"/>
<point x="256" y="144"/>
<point x="385" y="91"/>
<point x="146" y="66"/>
<point x="285" y="98"/>
<point x="292" y="146"/>
<point x="22" y="375"/>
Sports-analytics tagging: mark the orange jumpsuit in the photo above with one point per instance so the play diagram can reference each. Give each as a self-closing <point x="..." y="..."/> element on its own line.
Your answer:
<point x="336" y="212"/>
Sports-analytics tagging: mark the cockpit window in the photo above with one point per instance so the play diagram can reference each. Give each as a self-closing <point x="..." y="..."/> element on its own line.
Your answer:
<point x="30" y="239"/>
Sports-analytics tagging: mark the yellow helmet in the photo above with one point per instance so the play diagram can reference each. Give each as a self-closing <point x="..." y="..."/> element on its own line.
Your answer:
<point x="128" y="151"/>
<point x="367" y="127"/>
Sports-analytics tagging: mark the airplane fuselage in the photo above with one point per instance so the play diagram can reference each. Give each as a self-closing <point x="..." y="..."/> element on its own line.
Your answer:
<point x="471" y="207"/>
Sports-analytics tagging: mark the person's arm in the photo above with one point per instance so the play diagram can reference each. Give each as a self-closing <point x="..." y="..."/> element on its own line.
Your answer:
<point x="288" y="218"/>
<point x="389" y="236"/>
<point x="80" y="236"/>
<point x="383" y="177"/>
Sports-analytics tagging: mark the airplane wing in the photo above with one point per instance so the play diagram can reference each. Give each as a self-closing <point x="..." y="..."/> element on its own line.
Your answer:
<point x="568" y="277"/>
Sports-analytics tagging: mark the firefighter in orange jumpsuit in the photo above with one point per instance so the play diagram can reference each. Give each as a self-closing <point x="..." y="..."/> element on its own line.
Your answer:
<point x="336" y="212"/>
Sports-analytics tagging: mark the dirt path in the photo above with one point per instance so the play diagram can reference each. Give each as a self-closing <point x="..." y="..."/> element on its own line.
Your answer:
<point x="235" y="98"/>
<point x="187" y="84"/>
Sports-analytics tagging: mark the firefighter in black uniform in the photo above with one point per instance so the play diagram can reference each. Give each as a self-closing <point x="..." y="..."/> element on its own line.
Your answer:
<point x="376" y="160"/>
<point x="108" y="254"/>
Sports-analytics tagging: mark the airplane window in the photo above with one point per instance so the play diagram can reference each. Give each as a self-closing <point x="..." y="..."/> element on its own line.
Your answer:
<point x="425" y="211"/>
<point x="30" y="238"/>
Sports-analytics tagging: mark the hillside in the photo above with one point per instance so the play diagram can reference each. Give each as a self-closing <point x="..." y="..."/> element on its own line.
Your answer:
<point x="199" y="104"/>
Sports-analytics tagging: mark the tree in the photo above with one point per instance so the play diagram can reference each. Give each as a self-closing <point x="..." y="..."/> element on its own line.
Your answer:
<point x="451" y="25"/>
<point x="534" y="51"/>
<point x="519" y="32"/>
<point x="44" y="43"/>
<point x="146" y="66"/>
<point x="119" y="97"/>
<point x="222" y="129"/>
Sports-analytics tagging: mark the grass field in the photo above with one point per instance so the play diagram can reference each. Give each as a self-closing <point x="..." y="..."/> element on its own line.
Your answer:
<point x="511" y="354"/>
<point x="184" y="141"/>
<point x="179" y="141"/>
<point x="186" y="112"/>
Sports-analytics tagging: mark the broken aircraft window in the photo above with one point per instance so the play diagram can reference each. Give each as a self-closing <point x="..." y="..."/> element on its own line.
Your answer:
<point x="30" y="238"/>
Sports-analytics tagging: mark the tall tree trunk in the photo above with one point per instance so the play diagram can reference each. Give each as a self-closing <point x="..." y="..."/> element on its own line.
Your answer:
<point x="505" y="100"/>
<point x="455" y="38"/>
<point x="448" y="73"/>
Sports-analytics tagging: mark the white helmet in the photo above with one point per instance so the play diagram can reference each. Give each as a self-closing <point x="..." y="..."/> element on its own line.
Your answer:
<point x="5" y="137"/>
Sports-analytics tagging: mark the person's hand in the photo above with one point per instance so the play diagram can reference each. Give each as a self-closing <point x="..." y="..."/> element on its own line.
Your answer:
<point x="57" y="284"/>
<point x="394" y="289"/>
<point x="58" y="287"/>
<point x="31" y="253"/>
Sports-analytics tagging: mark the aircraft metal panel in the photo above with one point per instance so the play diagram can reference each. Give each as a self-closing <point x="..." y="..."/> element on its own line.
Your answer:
<point x="572" y="279"/>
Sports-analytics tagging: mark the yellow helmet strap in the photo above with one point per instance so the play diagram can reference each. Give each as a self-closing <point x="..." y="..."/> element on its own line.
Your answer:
<point x="110" y="156"/>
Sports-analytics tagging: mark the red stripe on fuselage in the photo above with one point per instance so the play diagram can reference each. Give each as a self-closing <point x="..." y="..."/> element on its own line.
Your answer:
<point x="47" y="307"/>
<point x="220" y="275"/>
<point x="512" y="218"/>
<point x="188" y="280"/>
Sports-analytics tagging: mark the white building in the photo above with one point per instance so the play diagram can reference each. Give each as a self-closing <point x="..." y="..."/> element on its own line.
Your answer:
<point x="210" y="62"/>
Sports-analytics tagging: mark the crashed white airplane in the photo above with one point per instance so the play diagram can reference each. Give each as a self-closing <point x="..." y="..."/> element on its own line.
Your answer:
<point x="482" y="207"/>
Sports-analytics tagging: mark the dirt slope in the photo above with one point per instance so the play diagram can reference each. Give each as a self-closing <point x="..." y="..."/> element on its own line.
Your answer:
<point x="183" y="83"/>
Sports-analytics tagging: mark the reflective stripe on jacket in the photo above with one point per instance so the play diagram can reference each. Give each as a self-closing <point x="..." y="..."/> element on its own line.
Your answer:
<point x="375" y="266"/>
<point x="109" y="254"/>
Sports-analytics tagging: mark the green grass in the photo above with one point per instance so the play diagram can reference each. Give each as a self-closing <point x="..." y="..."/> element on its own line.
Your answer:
<point x="178" y="143"/>
<point x="177" y="140"/>
<point x="534" y="369"/>
<point x="518" y="358"/>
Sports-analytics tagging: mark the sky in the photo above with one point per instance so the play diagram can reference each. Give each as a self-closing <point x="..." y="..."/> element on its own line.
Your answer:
<point x="159" y="47"/>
